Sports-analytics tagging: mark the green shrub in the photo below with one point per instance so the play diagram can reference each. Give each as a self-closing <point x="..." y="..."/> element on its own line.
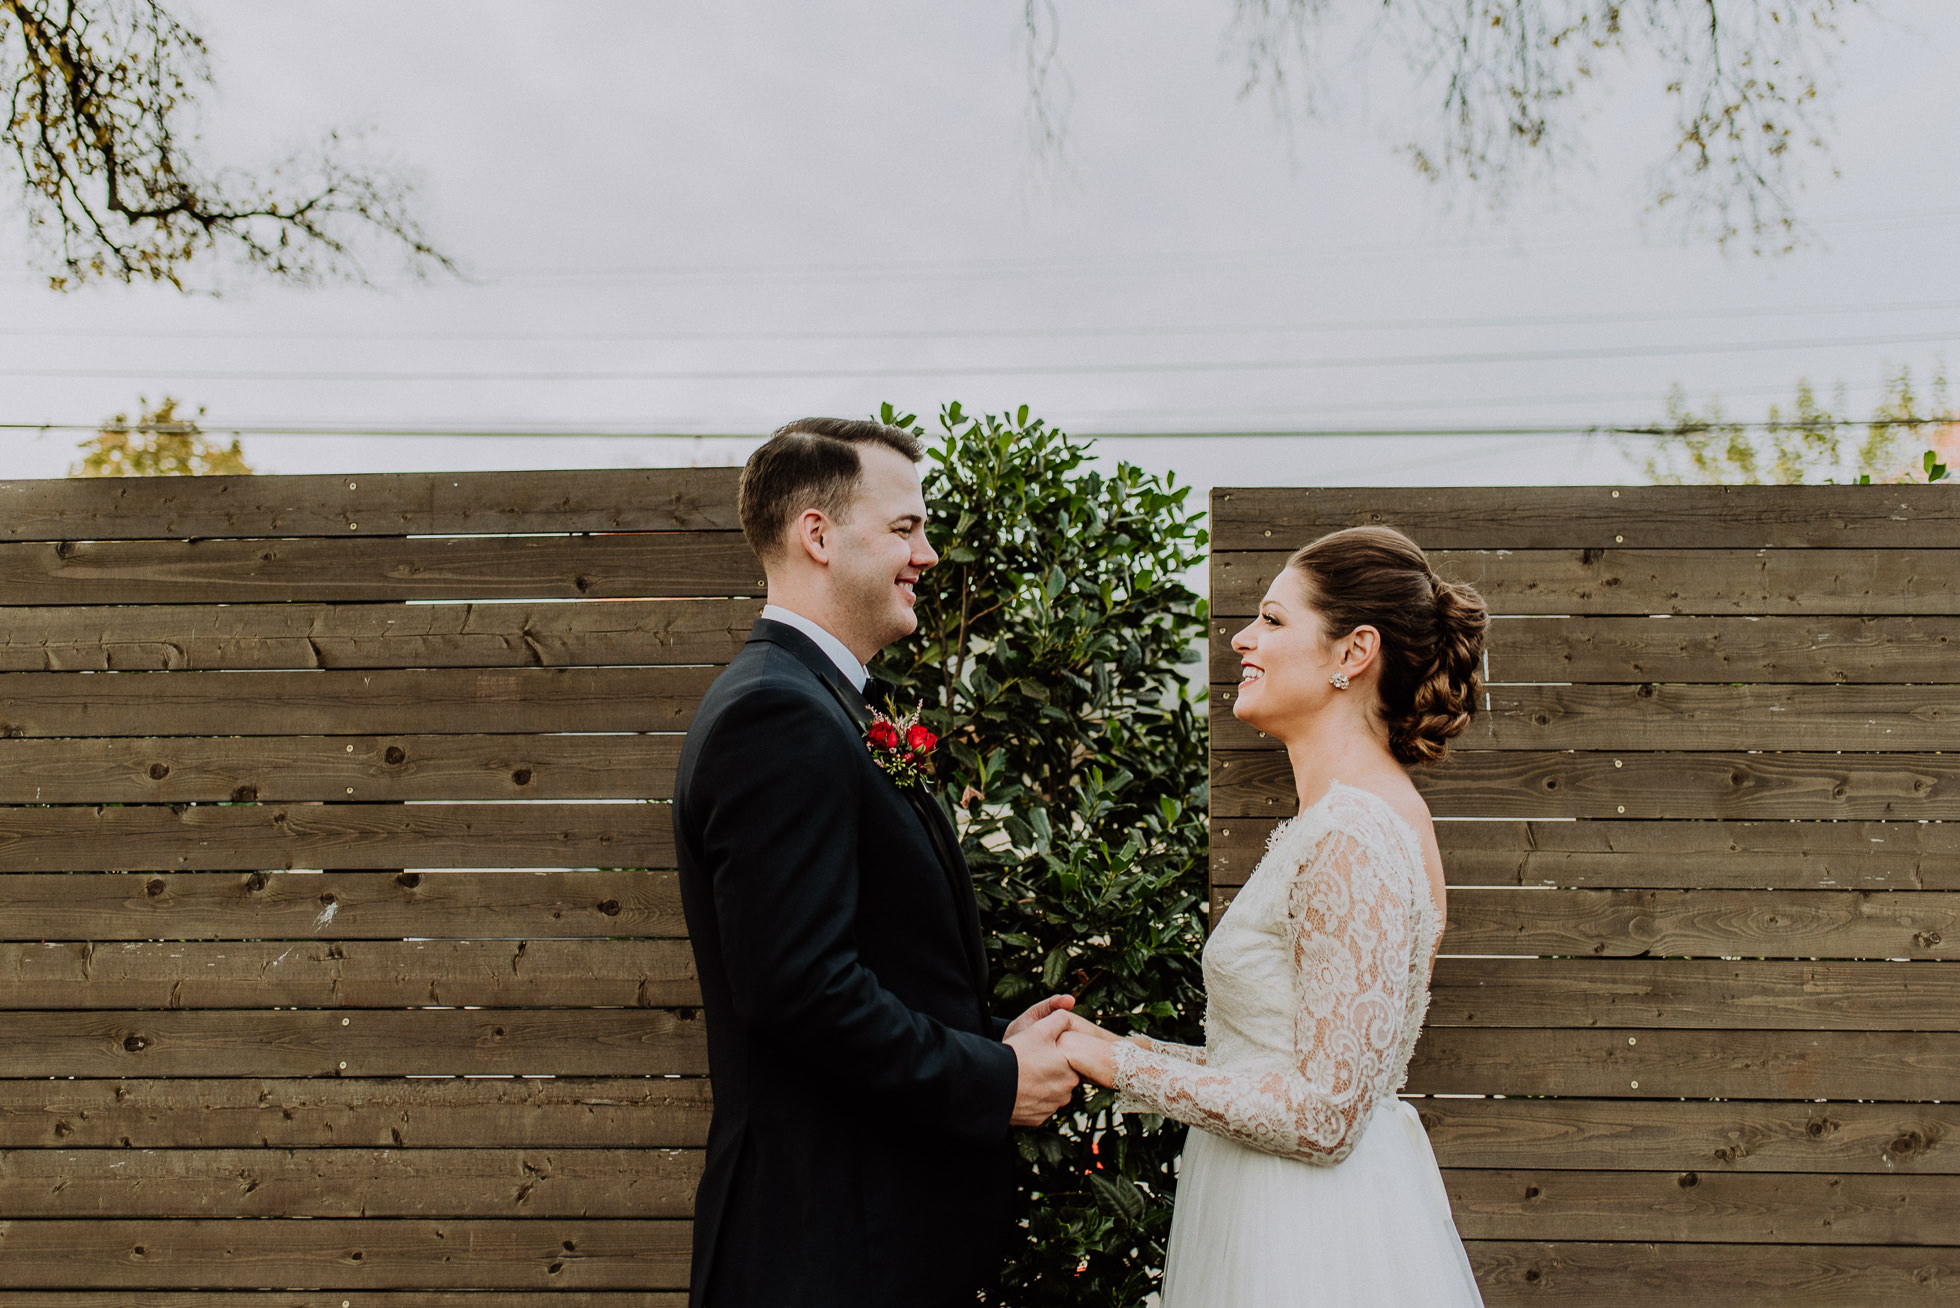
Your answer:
<point x="1048" y="658"/>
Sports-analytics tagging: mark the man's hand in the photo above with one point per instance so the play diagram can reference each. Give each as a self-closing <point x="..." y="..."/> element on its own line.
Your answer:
<point x="1052" y="1004"/>
<point x="1046" y="1079"/>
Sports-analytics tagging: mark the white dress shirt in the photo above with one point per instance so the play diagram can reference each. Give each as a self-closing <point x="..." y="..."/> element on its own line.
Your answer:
<point x="855" y="672"/>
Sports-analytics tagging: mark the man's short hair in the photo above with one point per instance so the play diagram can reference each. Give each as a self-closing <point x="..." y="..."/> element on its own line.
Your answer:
<point x="812" y="463"/>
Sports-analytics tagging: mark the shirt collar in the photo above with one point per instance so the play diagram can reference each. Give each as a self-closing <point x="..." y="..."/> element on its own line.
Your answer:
<point x="840" y="654"/>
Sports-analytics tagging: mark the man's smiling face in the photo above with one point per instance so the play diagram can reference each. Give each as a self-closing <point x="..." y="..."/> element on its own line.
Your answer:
<point x="883" y="551"/>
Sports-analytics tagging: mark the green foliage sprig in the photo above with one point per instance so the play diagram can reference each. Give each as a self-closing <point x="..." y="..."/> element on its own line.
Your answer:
<point x="1051" y="640"/>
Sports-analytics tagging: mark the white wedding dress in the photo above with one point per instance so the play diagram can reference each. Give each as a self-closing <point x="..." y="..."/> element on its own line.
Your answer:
<point x="1309" y="1182"/>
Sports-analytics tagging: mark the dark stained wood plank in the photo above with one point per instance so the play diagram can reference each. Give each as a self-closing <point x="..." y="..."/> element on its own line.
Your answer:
<point x="1551" y="517"/>
<point x="1683" y="1136"/>
<point x="1772" y="1208"/>
<point x="421" y="1042"/>
<point x="1783" y="650"/>
<point x="208" y="637"/>
<point x="305" y="906"/>
<point x="1806" y="649"/>
<point x="414" y="503"/>
<point x="1491" y="783"/>
<point x="350" y="703"/>
<point x="1630" y="1063"/>
<point x="349" y="974"/>
<point x="643" y="566"/>
<point x="1619" y="1273"/>
<point x="1668" y="717"/>
<point x="423" y="1113"/>
<point x="254" y="837"/>
<point x="1675" y="992"/>
<point x="486" y="1182"/>
<point x="362" y="1254"/>
<point x="1647" y="581"/>
<point x="1719" y="923"/>
<point x="1736" y="855"/>
<point x="285" y="769"/>
<point x="337" y="1299"/>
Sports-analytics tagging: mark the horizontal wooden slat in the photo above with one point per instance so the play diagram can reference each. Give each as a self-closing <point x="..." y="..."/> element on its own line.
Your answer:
<point x="205" y="637"/>
<point x="1772" y="1208"/>
<point x="160" y="837"/>
<point x="1678" y="992"/>
<point x="422" y="1042"/>
<point x="362" y="1254"/>
<point x="1719" y="923"/>
<point x="1635" y="1063"/>
<point x="353" y="703"/>
<point x="413" y="503"/>
<point x="1551" y="517"/>
<point x="1684" y="1136"/>
<point x="634" y="566"/>
<point x="1668" y="717"/>
<point x="188" y="769"/>
<point x="1615" y="1274"/>
<point x="349" y="974"/>
<point x="487" y="1182"/>
<point x="306" y="906"/>
<point x="1489" y="783"/>
<point x="1784" y="650"/>
<point x="339" y="1299"/>
<point x="1646" y="581"/>
<point x="422" y="1113"/>
<point x="1763" y="855"/>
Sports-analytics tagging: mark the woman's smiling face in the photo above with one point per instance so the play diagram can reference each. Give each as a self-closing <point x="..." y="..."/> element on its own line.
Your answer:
<point x="1285" y="659"/>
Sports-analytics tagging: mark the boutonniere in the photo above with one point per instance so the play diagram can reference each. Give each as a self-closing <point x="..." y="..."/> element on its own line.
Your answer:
<point x="901" y="746"/>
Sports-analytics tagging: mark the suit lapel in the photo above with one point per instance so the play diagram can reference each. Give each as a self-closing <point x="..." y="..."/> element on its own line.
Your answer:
<point x="939" y="828"/>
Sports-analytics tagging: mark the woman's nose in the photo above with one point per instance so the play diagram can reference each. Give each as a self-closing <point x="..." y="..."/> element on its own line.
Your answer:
<point x="1243" y="642"/>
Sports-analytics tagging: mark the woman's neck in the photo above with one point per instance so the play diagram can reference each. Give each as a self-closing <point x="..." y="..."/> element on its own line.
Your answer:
<point x="1334" y="747"/>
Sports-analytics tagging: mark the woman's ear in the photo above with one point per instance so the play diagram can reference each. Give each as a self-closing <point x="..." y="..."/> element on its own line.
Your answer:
<point x="1359" y="650"/>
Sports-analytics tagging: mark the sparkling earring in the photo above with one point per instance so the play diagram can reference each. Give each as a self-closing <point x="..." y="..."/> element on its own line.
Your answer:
<point x="1340" y="680"/>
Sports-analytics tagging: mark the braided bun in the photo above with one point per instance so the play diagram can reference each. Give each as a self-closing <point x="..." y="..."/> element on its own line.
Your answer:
<point x="1432" y="632"/>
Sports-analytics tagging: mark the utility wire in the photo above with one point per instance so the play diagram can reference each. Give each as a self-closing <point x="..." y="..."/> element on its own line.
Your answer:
<point x="993" y="370"/>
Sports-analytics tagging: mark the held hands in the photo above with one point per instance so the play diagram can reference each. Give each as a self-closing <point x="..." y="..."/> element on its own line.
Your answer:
<point x="1056" y="1050"/>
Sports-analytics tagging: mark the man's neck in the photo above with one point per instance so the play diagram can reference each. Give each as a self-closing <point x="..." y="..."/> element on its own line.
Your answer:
<point x="826" y="640"/>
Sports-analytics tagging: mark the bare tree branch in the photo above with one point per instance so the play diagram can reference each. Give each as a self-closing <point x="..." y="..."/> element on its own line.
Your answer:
<point x="98" y="93"/>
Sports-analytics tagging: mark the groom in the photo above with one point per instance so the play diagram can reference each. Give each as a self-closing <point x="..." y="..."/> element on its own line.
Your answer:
<point x="858" y="1156"/>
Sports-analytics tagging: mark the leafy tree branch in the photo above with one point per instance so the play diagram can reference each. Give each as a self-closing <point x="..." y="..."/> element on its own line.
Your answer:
<point x="101" y="96"/>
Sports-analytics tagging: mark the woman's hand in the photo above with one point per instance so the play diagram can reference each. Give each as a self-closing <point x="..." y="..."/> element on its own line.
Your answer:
<point x="1092" y="1053"/>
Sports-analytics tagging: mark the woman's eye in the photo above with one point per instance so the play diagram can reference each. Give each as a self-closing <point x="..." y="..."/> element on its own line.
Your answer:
<point x="1269" y="619"/>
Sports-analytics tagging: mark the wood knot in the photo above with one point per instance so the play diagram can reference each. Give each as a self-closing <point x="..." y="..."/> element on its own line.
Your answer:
<point x="409" y="880"/>
<point x="245" y="794"/>
<point x="393" y="755"/>
<point x="155" y="886"/>
<point x="610" y="907"/>
<point x="522" y="776"/>
<point x="1688" y="1181"/>
<point x="158" y="771"/>
<point x="1906" y="1145"/>
<point x="135" y="1044"/>
<point x="1927" y="939"/>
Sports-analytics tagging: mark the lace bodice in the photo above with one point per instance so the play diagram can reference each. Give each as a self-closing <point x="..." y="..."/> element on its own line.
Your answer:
<point x="1316" y="981"/>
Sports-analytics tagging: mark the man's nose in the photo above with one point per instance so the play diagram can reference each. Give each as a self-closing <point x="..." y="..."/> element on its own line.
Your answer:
<point x="923" y="554"/>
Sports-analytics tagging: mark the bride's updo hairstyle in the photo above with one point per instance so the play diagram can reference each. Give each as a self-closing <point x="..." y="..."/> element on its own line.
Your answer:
<point x="1432" y="631"/>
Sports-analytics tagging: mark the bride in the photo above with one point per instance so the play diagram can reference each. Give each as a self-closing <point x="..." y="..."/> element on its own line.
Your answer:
<point x="1309" y="1182"/>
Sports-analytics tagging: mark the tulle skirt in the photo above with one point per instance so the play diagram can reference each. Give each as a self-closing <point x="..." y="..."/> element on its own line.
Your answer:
<point x="1252" y="1230"/>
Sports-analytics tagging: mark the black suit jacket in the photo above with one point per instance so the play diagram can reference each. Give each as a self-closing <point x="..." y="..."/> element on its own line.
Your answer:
<point x="858" y="1154"/>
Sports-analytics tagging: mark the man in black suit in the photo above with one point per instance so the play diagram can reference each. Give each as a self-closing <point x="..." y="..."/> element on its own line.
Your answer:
<point x="858" y="1156"/>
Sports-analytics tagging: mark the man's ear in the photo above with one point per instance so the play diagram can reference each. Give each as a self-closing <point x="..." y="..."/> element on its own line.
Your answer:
<point x="810" y="533"/>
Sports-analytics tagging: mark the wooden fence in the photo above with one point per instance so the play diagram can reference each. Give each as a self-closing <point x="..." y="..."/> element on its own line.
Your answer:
<point x="330" y="973"/>
<point x="1705" y="882"/>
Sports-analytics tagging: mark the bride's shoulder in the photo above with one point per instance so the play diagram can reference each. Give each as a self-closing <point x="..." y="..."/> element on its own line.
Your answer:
<point x="1389" y="809"/>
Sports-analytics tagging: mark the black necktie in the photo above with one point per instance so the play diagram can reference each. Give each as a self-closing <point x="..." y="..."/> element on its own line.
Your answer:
<point x="878" y="693"/>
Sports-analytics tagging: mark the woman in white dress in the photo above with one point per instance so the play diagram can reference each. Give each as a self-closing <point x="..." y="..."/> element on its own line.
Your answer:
<point x="1308" y="1181"/>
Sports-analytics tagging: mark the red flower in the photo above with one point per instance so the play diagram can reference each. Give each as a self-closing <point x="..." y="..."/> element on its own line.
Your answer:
<point x="883" y="735"/>
<point x="919" y="739"/>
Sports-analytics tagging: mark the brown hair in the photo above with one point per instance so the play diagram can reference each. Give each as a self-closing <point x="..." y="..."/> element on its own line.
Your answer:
<point x="1432" y="631"/>
<point x="812" y="463"/>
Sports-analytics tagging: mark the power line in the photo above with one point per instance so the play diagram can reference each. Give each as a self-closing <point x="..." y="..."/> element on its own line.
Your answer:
<point x="1006" y="333"/>
<point x="992" y="370"/>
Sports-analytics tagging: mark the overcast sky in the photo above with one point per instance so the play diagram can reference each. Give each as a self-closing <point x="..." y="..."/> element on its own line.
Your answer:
<point x="713" y="218"/>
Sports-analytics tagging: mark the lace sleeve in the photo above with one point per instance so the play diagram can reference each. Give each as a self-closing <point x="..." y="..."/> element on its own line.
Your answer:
<point x="1169" y="1049"/>
<point x="1350" y="929"/>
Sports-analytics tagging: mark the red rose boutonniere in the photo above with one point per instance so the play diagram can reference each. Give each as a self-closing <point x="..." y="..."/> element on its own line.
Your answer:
<point x="901" y="745"/>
